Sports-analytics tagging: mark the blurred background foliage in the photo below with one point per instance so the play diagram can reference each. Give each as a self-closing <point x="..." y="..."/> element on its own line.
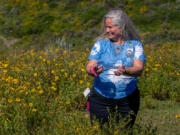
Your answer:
<point x="40" y="22"/>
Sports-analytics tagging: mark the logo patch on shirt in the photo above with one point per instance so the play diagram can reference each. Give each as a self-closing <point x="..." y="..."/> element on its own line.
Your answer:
<point x="129" y="53"/>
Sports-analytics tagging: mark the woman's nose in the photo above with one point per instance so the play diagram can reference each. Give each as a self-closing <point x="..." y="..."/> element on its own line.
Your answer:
<point x="107" y="30"/>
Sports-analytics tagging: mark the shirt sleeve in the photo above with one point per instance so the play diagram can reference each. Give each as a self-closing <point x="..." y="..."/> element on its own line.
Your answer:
<point x="95" y="53"/>
<point x="139" y="51"/>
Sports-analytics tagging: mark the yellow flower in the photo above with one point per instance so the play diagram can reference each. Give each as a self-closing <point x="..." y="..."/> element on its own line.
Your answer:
<point x="10" y="100"/>
<point x="67" y="102"/>
<point x="88" y="84"/>
<point x="33" y="90"/>
<point x="74" y="75"/>
<point x="53" y="72"/>
<point x="81" y="81"/>
<point x="48" y="62"/>
<point x="56" y="78"/>
<point x="53" y="88"/>
<point x="5" y="65"/>
<point x="41" y="92"/>
<point x="35" y="74"/>
<point x="83" y="70"/>
<point x="30" y="104"/>
<point x="65" y="52"/>
<point x="66" y="75"/>
<point x="15" y="81"/>
<point x="18" y="99"/>
<point x="157" y="65"/>
<point x="62" y="70"/>
<point x="56" y="50"/>
<point x="44" y="60"/>
<point x="4" y="71"/>
<point x="34" y="110"/>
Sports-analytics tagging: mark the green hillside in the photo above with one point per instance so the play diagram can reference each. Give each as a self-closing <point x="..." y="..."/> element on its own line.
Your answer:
<point x="43" y="22"/>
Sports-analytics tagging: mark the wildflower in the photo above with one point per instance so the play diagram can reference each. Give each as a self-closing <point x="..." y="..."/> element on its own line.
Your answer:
<point x="56" y="50"/>
<point x="80" y="82"/>
<point x="67" y="102"/>
<point x="65" y="52"/>
<point x="157" y="65"/>
<point x="53" y="88"/>
<point x="41" y="92"/>
<point x="10" y="100"/>
<point x="35" y="74"/>
<point x="48" y="62"/>
<point x="56" y="78"/>
<point x="66" y="75"/>
<point x="74" y="75"/>
<point x="15" y="81"/>
<point x="147" y="69"/>
<point x="44" y="60"/>
<point x="34" y="110"/>
<point x="4" y="71"/>
<point x="88" y="84"/>
<point x="33" y="90"/>
<point x="30" y="104"/>
<point x="53" y="72"/>
<point x="177" y="116"/>
<point x="18" y="99"/>
<point x="82" y="69"/>
<point x="5" y="65"/>
<point x="62" y="70"/>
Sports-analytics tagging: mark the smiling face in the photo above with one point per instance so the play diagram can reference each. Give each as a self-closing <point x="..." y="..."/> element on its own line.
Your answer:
<point x="114" y="33"/>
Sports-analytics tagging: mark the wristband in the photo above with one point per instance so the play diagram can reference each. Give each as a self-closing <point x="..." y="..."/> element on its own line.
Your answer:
<point x="93" y="72"/>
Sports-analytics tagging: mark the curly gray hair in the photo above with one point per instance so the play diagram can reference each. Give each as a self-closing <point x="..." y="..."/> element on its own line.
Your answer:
<point x="121" y="20"/>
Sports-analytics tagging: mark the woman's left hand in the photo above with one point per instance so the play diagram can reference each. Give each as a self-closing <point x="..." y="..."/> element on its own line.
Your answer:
<point x="120" y="71"/>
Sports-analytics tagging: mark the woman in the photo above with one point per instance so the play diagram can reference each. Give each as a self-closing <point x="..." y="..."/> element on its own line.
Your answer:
<point x="115" y="61"/>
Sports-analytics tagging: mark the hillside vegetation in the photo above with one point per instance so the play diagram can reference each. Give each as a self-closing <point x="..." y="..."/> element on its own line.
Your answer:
<point x="42" y="22"/>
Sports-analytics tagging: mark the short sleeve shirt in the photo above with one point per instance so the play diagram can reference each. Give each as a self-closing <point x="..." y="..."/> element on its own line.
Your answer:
<point x="112" y="56"/>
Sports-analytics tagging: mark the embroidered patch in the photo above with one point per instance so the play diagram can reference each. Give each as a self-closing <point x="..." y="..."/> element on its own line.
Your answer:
<point x="129" y="53"/>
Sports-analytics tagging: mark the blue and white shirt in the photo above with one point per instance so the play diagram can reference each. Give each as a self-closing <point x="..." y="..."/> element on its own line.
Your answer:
<point x="112" y="56"/>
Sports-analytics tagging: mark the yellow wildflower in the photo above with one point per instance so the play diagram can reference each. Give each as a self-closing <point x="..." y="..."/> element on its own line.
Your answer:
<point x="18" y="99"/>
<point x="56" y="78"/>
<point x="30" y="104"/>
<point x="4" y="71"/>
<point x="53" y="88"/>
<point x="15" y="81"/>
<point x="53" y="72"/>
<point x="41" y="92"/>
<point x="67" y="102"/>
<point x="35" y="74"/>
<point x="88" y="84"/>
<point x="81" y="81"/>
<point x="83" y="70"/>
<point x="34" y="110"/>
<point x="10" y="100"/>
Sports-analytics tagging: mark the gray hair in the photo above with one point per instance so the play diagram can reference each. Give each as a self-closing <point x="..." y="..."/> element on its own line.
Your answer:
<point x="121" y="20"/>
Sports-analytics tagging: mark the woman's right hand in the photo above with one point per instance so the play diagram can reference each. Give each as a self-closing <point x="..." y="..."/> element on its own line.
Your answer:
<point x="94" y="69"/>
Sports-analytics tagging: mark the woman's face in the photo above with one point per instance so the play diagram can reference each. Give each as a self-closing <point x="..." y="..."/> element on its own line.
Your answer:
<point x="114" y="33"/>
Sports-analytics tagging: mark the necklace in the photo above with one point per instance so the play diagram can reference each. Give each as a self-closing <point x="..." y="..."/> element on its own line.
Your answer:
<point x="118" y="49"/>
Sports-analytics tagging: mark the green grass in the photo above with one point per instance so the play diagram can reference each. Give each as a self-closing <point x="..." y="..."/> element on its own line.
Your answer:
<point x="162" y="115"/>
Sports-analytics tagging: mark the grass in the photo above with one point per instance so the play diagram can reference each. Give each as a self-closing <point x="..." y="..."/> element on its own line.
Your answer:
<point x="162" y="114"/>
